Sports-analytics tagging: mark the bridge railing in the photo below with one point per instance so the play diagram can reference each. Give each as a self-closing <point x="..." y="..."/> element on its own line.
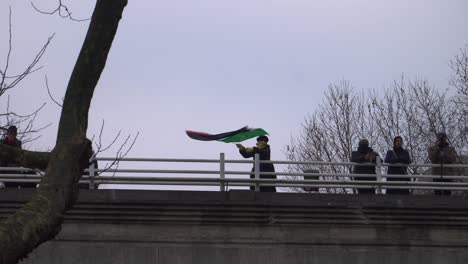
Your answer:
<point x="224" y="178"/>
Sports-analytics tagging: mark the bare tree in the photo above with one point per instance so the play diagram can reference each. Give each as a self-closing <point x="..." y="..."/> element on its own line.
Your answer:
<point x="331" y="131"/>
<point x="40" y="219"/>
<point x="459" y="65"/>
<point x="124" y="148"/>
<point x="459" y="80"/>
<point x="99" y="147"/>
<point x="26" y="122"/>
<point x="414" y="110"/>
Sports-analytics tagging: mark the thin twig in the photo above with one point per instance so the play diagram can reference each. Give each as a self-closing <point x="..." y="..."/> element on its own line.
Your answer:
<point x="62" y="10"/>
<point x="50" y="95"/>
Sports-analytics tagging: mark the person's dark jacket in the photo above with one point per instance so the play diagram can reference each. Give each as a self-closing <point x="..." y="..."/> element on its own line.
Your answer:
<point x="17" y="144"/>
<point x="362" y="155"/>
<point x="443" y="154"/>
<point x="397" y="155"/>
<point x="264" y="154"/>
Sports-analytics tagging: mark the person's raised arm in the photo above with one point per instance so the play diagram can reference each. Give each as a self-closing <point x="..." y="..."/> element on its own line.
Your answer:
<point x="245" y="152"/>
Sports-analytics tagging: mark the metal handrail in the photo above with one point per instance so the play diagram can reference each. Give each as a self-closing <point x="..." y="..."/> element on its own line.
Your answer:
<point x="248" y="182"/>
<point x="286" y="162"/>
<point x="344" y="180"/>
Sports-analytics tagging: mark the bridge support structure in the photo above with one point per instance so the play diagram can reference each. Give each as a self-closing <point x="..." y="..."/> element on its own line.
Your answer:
<point x="123" y="226"/>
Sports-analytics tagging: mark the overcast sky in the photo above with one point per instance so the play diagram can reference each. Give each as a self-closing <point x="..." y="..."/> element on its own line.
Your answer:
<point x="217" y="65"/>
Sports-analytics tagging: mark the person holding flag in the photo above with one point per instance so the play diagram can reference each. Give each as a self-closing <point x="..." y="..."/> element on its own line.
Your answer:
<point x="263" y="149"/>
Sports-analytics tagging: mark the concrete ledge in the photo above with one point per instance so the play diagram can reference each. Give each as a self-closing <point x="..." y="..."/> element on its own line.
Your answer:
<point x="245" y="207"/>
<point x="125" y="226"/>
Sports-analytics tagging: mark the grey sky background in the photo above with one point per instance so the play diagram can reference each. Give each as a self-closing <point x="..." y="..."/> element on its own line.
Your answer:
<point x="217" y="65"/>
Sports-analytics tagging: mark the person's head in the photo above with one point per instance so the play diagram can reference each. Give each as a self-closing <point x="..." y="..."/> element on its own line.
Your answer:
<point x="442" y="138"/>
<point x="363" y="143"/>
<point x="262" y="139"/>
<point x="398" y="142"/>
<point x="12" y="131"/>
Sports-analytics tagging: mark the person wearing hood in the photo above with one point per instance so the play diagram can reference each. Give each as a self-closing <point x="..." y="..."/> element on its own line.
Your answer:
<point x="397" y="155"/>
<point x="263" y="149"/>
<point x="442" y="153"/>
<point x="364" y="154"/>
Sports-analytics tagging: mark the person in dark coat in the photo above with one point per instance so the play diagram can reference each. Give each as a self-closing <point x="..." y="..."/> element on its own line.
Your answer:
<point x="11" y="140"/>
<point x="263" y="149"/>
<point x="442" y="153"/>
<point x="397" y="155"/>
<point x="364" y="154"/>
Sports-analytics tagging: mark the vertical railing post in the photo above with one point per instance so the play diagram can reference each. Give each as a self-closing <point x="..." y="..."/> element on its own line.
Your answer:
<point x="222" y="186"/>
<point x="379" y="174"/>
<point x="257" y="171"/>
<point x="92" y="172"/>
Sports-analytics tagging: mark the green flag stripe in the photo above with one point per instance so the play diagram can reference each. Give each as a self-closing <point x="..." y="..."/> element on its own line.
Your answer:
<point x="245" y="135"/>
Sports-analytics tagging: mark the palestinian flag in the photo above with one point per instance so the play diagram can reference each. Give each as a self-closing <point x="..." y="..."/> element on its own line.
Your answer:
<point x="228" y="137"/>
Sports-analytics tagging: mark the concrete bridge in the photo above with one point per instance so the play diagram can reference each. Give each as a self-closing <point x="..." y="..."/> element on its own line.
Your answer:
<point x="125" y="226"/>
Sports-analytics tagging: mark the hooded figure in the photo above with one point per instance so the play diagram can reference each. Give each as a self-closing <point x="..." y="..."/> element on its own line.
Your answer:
<point x="442" y="153"/>
<point x="397" y="155"/>
<point x="263" y="149"/>
<point x="364" y="154"/>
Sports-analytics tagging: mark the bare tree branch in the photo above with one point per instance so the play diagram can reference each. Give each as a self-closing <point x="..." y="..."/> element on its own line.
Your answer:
<point x="62" y="10"/>
<point x="25" y="122"/>
<point x="122" y="151"/>
<point x="50" y="95"/>
<point x="459" y="80"/>
<point x="5" y="70"/>
<point x="17" y="78"/>
<point x="414" y="110"/>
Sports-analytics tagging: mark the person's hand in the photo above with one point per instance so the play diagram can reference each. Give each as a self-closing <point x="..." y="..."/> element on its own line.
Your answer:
<point x="370" y="156"/>
<point x="239" y="146"/>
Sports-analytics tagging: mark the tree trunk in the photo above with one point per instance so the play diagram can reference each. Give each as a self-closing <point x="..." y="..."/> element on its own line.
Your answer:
<point x="41" y="218"/>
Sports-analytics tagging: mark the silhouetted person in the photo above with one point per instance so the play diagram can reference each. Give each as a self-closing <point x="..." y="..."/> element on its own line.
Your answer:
<point x="364" y="154"/>
<point x="442" y="153"/>
<point x="263" y="149"/>
<point x="397" y="155"/>
<point x="11" y="140"/>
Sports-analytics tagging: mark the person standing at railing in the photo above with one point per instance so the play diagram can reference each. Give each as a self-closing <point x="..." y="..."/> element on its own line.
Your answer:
<point x="364" y="154"/>
<point x="442" y="153"/>
<point x="397" y="155"/>
<point x="263" y="149"/>
<point x="11" y="140"/>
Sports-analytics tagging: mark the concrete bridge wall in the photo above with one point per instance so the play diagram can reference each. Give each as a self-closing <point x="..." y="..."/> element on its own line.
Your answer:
<point x="111" y="226"/>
